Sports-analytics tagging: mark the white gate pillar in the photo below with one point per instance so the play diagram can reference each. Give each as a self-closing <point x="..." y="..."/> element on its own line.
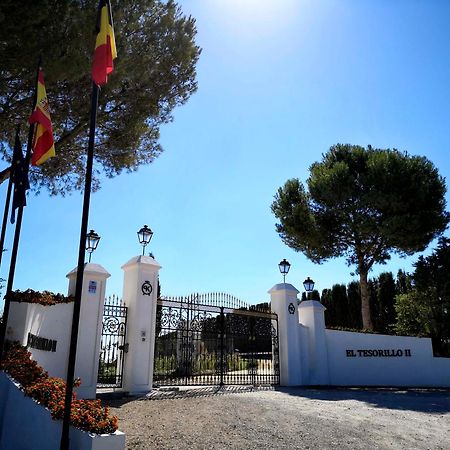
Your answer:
<point x="284" y="304"/>
<point x="312" y="316"/>
<point x="90" y="325"/>
<point x="140" y="292"/>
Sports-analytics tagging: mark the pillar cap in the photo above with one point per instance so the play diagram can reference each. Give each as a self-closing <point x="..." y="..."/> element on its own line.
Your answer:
<point x="90" y="269"/>
<point x="141" y="259"/>
<point x="312" y="304"/>
<point x="283" y="287"/>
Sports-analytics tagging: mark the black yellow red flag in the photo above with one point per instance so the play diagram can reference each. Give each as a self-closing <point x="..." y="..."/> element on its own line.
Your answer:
<point x="43" y="142"/>
<point x="19" y="178"/>
<point x="105" y="45"/>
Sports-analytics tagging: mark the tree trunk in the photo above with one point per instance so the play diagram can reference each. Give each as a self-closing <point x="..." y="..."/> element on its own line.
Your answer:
<point x="365" y="301"/>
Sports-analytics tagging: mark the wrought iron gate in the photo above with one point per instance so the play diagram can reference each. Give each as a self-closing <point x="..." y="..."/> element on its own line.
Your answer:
<point x="215" y="339"/>
<point x="112" y="347"/>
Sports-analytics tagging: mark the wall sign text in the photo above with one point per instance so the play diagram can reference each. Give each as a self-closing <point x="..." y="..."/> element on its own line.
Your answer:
<point x="378" y="353"/>
<point x="40" y="343"/>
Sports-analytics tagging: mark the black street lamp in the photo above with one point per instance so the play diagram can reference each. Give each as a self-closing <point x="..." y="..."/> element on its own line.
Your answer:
<point x="284" y="267"/>
<point x="92" y="240"/>
<point x="308" y="284"/>
<point x="145" y="236"/>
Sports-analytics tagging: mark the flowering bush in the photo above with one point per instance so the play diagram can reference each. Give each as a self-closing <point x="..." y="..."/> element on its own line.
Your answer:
<point x="44" y="298"/>
<point x="91" y="415"/>
<point x="18" y="363"/>
<point x="88" y="415"/>
<point x="48" y="391"/>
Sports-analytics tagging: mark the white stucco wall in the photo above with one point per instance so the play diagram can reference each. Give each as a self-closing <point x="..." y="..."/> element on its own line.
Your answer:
<point x="314" y="355"/>
<point x="284" y="304"/>
<point x="141" y="322"/>
<point x="354" y="359"/>
<point x="90" y="325"/>
<point x="311" y="317"/>
<point x="305" y="351"/>
<point x="54" y="322"/>
<point x="50" y="322"/>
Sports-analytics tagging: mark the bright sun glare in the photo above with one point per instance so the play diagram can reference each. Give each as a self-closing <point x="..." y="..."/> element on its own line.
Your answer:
<point x="256" y="15"/>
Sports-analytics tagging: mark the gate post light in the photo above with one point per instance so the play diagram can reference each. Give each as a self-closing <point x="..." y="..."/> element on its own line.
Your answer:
<point x="284" y="267"/>
<point x="308" y="284"/>
<point x="92" y="240"/>
<point x="144" y="235"/>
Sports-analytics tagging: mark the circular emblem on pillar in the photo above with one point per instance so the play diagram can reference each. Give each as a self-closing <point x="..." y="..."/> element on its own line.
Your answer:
<point x="291" y="308"/>
<point x="146" y="288"/>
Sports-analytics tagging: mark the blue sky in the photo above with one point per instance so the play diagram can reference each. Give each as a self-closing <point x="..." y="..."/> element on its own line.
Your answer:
<point x="280" y="81"/>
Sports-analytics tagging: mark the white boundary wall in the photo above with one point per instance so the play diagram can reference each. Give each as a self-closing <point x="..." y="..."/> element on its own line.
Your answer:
<point x="49" y="322"/>
<point x="314" y="355"/>
<point x="53" y="324"/>
<point x="362" y="359"/>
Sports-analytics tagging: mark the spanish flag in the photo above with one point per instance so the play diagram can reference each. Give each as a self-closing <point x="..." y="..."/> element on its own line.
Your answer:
<point x="43" y="143"/>
<point x="105" y="45"/>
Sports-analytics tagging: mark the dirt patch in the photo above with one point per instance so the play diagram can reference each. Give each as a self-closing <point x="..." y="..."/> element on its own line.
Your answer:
<point x="244" y="418"/>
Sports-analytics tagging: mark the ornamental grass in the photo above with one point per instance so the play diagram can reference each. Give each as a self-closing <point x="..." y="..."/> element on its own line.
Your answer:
<point x="88" y="415"/>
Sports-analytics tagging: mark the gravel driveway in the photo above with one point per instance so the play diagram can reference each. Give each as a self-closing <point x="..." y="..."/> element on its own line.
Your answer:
<point x="286" y="418"/>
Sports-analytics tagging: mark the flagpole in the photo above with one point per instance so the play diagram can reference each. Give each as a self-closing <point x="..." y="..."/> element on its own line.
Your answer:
<point x="12" y="269"/>
<point x="80" y="272"/>
<point x="12" y="265"/>
<point x="7" y="203"/>
<point x="5" y="215"/>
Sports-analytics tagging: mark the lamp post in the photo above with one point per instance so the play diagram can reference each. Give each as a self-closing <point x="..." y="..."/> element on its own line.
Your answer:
<point x="308" y="284"/>
<point x="92" y="240"/>
<point x="284" y="267"/>
<point x="144" y="235"/>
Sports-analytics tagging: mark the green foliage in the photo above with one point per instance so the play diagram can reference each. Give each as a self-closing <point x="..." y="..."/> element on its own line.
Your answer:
<point x="383" y="289"/>
<point x="164" y="365"/>
<point x="154" y="72"/>
<point x="354" y="305"/>
<point x="336" y="303"/>
<point x="403" y="283"/>
<point x="108" y="371"/>
<point x="200" y="364"/>
<point x="411" y="313"/>
<point x="425" y="309"/>
<point x="343" y="306"/>
<point x="343" y="303"/>
<point x="362" y="204"/>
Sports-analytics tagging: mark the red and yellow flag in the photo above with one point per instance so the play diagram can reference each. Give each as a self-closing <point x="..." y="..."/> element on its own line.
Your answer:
<point x="43" y="143"/>
<point x="105" y="45"/>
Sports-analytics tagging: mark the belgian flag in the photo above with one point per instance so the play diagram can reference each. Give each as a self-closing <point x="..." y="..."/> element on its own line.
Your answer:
<point x="43" y="142"/>
<point x="105" y="45"/>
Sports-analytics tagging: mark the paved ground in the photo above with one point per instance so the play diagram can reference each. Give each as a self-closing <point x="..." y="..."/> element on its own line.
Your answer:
<point x="286" y="418"/>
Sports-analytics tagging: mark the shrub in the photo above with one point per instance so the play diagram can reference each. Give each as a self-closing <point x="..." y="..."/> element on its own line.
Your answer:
<point x="18" y="363"/>
<point x="88" y="415"/>
<point x="91" y="415"/>
<point x="44" y="298"/>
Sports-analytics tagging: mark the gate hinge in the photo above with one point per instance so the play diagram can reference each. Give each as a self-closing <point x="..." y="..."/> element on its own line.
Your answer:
<point x="124" y="347"/>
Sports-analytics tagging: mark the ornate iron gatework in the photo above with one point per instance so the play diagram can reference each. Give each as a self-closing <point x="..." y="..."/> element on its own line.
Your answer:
<point x="215" y="339"/>
<point x="112" y="347"/>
